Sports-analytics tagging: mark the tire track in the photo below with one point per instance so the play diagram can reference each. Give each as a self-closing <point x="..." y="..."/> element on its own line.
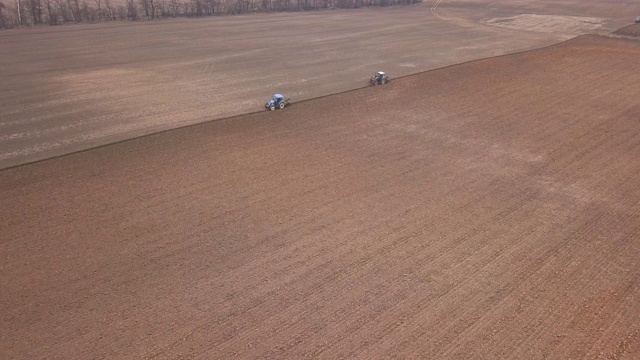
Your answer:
<point x="434" y="10"/>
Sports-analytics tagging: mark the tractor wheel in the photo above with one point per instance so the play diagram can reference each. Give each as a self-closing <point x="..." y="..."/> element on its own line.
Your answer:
<point x="272" y="107"/>
<point x="281" y="105"/>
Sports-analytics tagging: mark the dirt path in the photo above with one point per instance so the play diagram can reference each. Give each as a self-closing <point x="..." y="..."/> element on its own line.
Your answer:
<point x="487" y="210"/>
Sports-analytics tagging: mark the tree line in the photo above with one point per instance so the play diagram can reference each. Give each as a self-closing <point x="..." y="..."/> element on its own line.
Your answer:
<point x="58" y="12"/>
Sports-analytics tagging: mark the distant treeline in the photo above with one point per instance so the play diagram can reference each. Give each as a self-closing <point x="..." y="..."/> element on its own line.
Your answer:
<point x="57" y="12"/>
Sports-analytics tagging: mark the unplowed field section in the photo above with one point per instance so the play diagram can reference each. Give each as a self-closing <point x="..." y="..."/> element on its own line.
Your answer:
<point x="486" y="210"/>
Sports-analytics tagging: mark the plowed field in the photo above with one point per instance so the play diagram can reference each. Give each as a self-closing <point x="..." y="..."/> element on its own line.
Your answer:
<point x="485" y="210"/>
<point x="631" y="31"/>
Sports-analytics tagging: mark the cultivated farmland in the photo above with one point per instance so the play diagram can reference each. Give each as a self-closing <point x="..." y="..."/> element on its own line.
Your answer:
<point x="488" y="209"/>
<point x="70" y="88"/>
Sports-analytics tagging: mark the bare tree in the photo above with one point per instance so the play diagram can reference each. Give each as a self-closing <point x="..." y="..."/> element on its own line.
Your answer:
<point x="132" y="10"/>
<point x="99" y="4"/>
<point x="210" y="7"/>
<point x="109" y="12"/>
<point x="75" y="5"/>
<point x="88" y="14"/>
<point x="161" y="7"/>
<point x="195" y="8"/>
<point x="2" y="21"/>
<point x="53" y="16"/>
<point x="73" y="16"/>
<point x="145" y="6"/>
<point x="35" y="11"/>
<point x="19" y="11"/>
<point x="149" y="8"/>
<point x="60" y="4"/>
<point x="174" y="8"/>
<point x="122" y="12"/>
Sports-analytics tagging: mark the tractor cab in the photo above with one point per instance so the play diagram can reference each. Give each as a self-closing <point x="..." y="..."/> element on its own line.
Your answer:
<point x="277" y="98"/>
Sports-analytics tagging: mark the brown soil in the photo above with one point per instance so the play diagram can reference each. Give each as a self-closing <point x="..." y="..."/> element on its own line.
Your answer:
<point x="485" y="210"/>
<point x="632" y="30"/>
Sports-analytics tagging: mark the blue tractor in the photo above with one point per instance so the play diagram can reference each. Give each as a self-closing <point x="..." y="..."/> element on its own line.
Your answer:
<point x="277" y="102"/>
<point x="379" y="78"/>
